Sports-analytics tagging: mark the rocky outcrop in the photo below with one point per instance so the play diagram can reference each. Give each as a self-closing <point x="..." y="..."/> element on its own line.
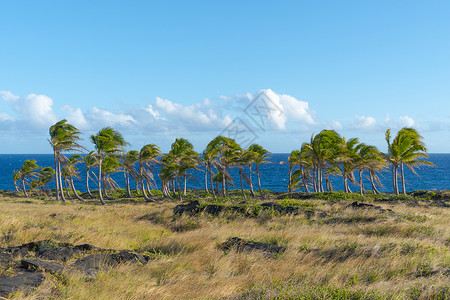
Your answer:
<point x="56" y="258"/>
<point x="241" y="245"/>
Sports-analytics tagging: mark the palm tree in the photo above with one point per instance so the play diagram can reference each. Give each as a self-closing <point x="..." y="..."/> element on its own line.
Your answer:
<point x="110" y="165"/>
<point x="70" y="171"/>
<point x="16" y="177"/>
<point x="407" y="148"/>
<point x="107" y="141"/>
<point x="147" y="155"/>
<point x="180" y="159"/>
<point x="368" y="159"/>
<point x="322" y="151"/>
<point x="63" y="137"/>
<point x="224" y="150"/>
<point x="128" y="162"/>
<point x="27" y="172"/>
<point x="347" y="155"/>
<point x="260" y="158"/>
<point x="90" y="161"/>
<point x="45" y="176"/>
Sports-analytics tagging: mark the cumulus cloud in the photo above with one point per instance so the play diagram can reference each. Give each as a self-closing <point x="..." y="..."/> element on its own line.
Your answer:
<point x="76" y="117"/>
<point x="364" y="123"/>
<point x="105" y="117"/>
<point x="5" y="117"/>
<point x="407" y="121"/>
<point x="8" y="96"/>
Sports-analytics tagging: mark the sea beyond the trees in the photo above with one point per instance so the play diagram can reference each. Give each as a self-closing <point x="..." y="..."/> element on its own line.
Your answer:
<point x="274" y="175"/>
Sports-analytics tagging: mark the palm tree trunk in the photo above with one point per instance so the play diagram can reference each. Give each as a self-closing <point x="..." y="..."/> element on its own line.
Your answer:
<point x="87" y="184"/>
<point x="24" y="188"/>
<point x="361" y="186"/>
<point x="16" y="187"/>
<point x="374" y="188"/>
<point x="206" y="177"/>
<point x="242" y="184"/>
<point x="61" y="182"/>
<point x="305" y="185"/>
<point x="179" y="188"/>
<point x="251" y="180"/>
<point x="403" y="180"/>
<point x="223" y="184"/>
<point x="127" y="183"/>
<point x="394" y="178"/>
<point x="100" y="182"/>
<point x="258" y="175"/>
<point x="211" y="180"/>
<point x="56" y="175"/>
<point x="185" y="186"/>
<point x="75" y="191"/>
<point x="226" y="181"/>
<point x="66" y="186"/>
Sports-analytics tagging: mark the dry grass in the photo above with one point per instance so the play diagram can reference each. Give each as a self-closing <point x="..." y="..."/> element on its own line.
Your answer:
<point x="346" y="254"/>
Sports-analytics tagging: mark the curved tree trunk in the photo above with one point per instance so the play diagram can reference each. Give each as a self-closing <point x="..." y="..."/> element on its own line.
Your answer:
<point x="24" y="188"/>
<point x="226" y="181"/>
<point x="61" y="182"/>
<point x="75" y="191"/>
<point x="56" y="175"/>
<point x="305" y="185"/>
<point x="374" y="188"/>
<point x="206" y="177"/>
<point x="100" y="182"/>
<point x="87" y="184"/>
<point x="251" y="180"/>
<point x="258" y="175"/>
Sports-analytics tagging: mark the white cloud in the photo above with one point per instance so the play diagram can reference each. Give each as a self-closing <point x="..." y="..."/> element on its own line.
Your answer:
<point x="334" y="125"/>
<point x="364" y="123"/>
<point x="102" y="117"/>
<point x="8" y="96"/>
<point x="36" y="110"/>
<point x="76" y="117"/>
<point x="5" y="117"/>
<point x="407" y="121"/>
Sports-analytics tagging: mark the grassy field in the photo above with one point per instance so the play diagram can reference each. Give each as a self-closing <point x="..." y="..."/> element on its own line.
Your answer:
<point x="338" y="252"/>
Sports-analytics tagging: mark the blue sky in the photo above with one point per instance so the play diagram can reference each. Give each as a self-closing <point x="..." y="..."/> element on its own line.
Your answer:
<point x="157" y="70"/>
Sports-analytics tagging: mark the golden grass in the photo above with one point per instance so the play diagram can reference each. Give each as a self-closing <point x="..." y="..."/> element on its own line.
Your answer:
<point x="397" y="255"/>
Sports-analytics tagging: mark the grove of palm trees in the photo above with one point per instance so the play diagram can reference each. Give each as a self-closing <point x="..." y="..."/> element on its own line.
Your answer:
<point x="326" y="156"/>
<point x="157" y="238"/>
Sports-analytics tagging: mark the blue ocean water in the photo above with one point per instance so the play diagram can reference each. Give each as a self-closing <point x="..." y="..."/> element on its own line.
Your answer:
<point x="274" y="175"/>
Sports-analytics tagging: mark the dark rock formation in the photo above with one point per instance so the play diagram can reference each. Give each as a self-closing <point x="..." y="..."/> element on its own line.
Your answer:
<point x="191" y="207"/>
<point x="23" y="280"/>
<point x="245" y="245"/>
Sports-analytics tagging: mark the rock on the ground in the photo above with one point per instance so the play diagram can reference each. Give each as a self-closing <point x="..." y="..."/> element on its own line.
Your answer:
<point x="245" y="245"/>
<point x="22" y="280"/>
<point x="58" y="253"/>
<point x="34" y="264"/>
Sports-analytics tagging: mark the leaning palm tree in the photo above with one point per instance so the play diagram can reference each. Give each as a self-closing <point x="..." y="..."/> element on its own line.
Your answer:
<point x="89" y="161"/>
<point x="63" y="137"/>
<point x="106" y="142"/>
<point x="368" y="158"/>
<point x="261" y="157"/>
<point x="45" y="177"/>
<point x="70" y="171"/>
<point x="407" y="148"/>
<point x="128" y="161"/>
<point x="16" y="177"/>
<point x="27" y="172"/>
<point x="322" y="152"/>
<point x="180" y="159"/>
<point x="148" y="155"/>
<point x="347" y="156"/>
<point x="224" y="151"/>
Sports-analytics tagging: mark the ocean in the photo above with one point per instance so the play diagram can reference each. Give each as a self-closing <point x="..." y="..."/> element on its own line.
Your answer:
<point x="274" y="175"/>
